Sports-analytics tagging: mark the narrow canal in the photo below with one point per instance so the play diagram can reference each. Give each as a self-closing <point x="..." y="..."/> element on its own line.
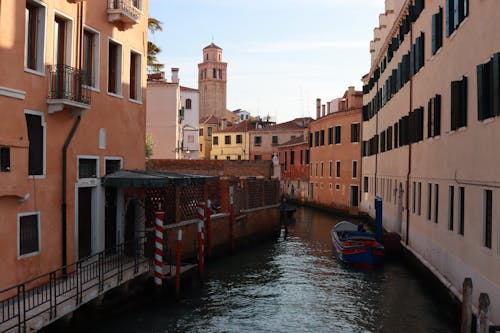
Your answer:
<point x="295" y="285"/>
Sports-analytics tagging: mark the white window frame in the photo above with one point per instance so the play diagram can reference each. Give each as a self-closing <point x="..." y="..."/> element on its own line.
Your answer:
<point x="40" y="40"/>
<point x="112" y="158"/>
<point x="44" y="125"/>
<point x="87" y="181"/>
<point x="119" y="72"/>
<point x="138" y="74"/>
<point x="96" y="59"/>
<point x="68" y="34"/>
<point x="27" y="255"/>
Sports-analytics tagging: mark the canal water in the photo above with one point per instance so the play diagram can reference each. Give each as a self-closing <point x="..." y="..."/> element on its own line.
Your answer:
<point x="294" y="285"/>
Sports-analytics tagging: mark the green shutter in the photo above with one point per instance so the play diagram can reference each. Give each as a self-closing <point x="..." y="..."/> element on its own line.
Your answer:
<point x="437" y="115"/>
<point x="455" y="104"/>
<point x="495" y="84"/>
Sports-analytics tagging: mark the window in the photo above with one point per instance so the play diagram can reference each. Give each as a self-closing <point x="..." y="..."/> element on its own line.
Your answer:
<point x="456" y="12"/>
<point x="310" y="140"/>
<point x="227" y="139"/>
<point x="419" y="208"/>
<point x="112" y="165"/>
<point x="316" y="138"/>
<point x="338" y="134"/>
<point x="436" y="203"/>
<point x="355" y="132"/>
<point x="488" y="88"/>
<point x="214" y="73"/>
<point x="414" y="201"/>
<point x="258" y="140"/>
<point x="434" y="117"/>
<point x="429" y="201"/>
<point x="36" y="137"/>
<point x="4" y="159"/>
<point x="257" y="157"/>
<point x="437" y="31"/>
<point x="365" y="184"/>
<point x="451" y="203"/>
<point x="301" y="157"/>
<point x="29" y="235"/>
<point x="316" y="174"/>
<point x="337" y="187"/>
<point x="200" y="132"/>
<point x="307" y="156"/>
<point x="114" y="67"/>
<point x="137" y="4"/>
<point x="215" y="140"/>
<point x="135" y="76"/>
<point x="35" y="36"/>
<point x="209" y="131"/>
<point x="228" y="158"/>
<point x="275" y="140"/>
<point x="354" y="169"/>
<point x="292" y="157"/>
<point x="487" y="217"/>
<point x="337" y="169"/>
<point x="330" y="168"/>
<point x="322" y="137"/>
<point x="201" y="147"/>
<point x="461" y="210"/>
<point x="188" y="104"/>
<point x="459" y="104"/>
<point x="190" y="138"/>
<point x="239" y="138"/>
<point x="87" y="168"/>
<point x="220" y="74"/>
<point x="330" y="135"/>
<point x="215" y="157"/>
<point x="321" y="174"/>
<point x="91" y="57"/>
<point x="239" y="157"/>
<point x="389" y="138"/>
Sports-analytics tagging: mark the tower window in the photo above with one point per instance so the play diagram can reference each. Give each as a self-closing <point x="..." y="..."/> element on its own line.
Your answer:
<point x="220" y="74"/>
<point x="188" y="103"/>
<point x="214" y="73"/>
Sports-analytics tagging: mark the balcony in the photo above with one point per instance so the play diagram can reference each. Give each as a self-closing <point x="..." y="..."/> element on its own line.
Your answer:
<point x="126" y="12"/>
<point x="66" y="89"/>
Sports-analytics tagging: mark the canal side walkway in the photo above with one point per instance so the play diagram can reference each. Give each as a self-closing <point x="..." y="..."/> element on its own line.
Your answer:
<point x="35" y="304"/>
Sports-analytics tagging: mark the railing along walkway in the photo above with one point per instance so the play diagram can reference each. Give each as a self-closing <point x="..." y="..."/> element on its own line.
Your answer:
<point x="33" y="304"/>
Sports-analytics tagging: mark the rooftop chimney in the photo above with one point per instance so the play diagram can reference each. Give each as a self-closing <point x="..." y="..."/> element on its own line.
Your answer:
<point x="175" y="75"/>
<point x="318" y="108"/>
<point x="329" y="107"/>
<point x="323" y="110"/>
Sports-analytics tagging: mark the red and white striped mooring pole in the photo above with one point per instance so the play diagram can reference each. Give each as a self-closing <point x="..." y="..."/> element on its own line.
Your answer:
<point x="231" y="216"/>
<point x="159" y="248"/>
<point x="178" y="263"/>
<point x="208" y="212"/>
<point x="201" y="238"/>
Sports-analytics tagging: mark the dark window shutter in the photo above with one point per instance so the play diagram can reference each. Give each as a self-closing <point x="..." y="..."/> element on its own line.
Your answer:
<point x="463" y="102"/>
<point x="421" y="51"/>
<point x="455" y="104"/>
<point x="439" y="27"/>
<point x="396" y="135"/>
<point x="480" y="89"/>
<point x="437" y="115"/>
<point x="495" y="84"/>
<point x="449" y="17"/>
<point x="429" y="119"/>
<point x="434" y="33"/>
<point x="456" y="13"/>
<point x="35" y="137"/>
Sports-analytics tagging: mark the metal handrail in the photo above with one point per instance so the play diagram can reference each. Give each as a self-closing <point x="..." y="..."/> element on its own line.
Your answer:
<point x="68" y="283"/>
<point x="125" y="5"/>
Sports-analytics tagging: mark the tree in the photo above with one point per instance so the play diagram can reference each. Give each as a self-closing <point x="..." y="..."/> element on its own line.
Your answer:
<point x="149" y="150"/>
<point x="154" y="25"/>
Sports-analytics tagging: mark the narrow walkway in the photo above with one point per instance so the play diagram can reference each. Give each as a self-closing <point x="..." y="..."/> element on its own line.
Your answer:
<point x="35" y="304"/>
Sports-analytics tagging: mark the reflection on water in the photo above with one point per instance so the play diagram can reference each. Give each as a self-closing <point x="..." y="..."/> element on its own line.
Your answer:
<point x="295" y="285"/>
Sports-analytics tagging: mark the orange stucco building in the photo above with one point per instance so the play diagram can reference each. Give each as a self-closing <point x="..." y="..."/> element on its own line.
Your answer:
<point x="335" y="154"/>
<point x="72" y="88"/>
<point x="294" y="168"/>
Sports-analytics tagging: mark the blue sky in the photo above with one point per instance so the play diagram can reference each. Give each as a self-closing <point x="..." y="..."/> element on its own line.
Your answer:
<point x="281" y="54"/>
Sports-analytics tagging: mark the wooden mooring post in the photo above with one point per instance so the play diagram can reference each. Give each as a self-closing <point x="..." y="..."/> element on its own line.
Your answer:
<point x="466" y="321"/>
<point x="482" y="316"/>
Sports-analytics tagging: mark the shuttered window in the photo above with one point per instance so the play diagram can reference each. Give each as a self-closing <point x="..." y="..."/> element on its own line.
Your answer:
<point x="338" y="130"/>
<point x="355" y="128"/>
<point x="487" y="217"/>
<point x="458" y="104"/>
<point x="461" y="210"/>
<point x="28" y="234"/>
<point x="36" y="144"/>
<point x="488" y="88"/>
<point x="434" y="117"/>
<point x="330" y="135"/>
<point x="437" y="31"/>
<point x="322" y="137"/>
<point x="389" y="138"/>
<point x="4" y="159"/>
<point x="456" y="12"/>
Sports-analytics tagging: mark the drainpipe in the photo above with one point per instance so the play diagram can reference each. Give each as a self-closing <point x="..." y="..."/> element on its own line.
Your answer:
<point x="409" y="156"/>
<point x="67" y="143"/>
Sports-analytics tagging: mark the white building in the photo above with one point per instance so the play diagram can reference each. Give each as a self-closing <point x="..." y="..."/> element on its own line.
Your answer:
<point x="190" y="100"/>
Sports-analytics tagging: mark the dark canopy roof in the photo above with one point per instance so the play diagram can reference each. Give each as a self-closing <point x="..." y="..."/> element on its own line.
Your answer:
<point x="143" y="179"/>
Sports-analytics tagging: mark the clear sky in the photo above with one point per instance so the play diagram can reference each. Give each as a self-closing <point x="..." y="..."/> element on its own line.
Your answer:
<point x="281" y="54"/>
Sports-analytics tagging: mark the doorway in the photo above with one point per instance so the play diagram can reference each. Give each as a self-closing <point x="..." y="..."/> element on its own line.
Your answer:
<point x="354" y="196"/>
<point x="110" y="229"/>
<point x="84" y="222"/>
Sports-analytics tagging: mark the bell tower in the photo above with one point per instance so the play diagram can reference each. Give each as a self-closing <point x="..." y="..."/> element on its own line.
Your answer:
<point x="212" y="79"/>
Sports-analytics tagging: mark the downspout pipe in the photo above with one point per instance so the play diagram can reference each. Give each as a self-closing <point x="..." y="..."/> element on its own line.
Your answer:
<point x="64" y="221"/>
<point x="64" y="190"/>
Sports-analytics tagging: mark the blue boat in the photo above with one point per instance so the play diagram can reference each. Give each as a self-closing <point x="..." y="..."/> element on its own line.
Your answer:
<point x="356" y="247"/>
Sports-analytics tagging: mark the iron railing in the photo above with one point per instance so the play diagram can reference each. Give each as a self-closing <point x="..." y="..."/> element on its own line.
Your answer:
<point x="42" y="295"/>
<point x="67" y="83"/>
<point x="129" y="6"/>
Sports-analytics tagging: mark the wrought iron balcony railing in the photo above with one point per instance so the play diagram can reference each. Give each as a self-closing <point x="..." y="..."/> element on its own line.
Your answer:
<point x="124" y="11"/>
<point x="66" y="88"/>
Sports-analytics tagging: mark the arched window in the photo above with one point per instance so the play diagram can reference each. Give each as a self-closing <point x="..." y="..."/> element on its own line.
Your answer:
<point x="188" y="103"/>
